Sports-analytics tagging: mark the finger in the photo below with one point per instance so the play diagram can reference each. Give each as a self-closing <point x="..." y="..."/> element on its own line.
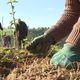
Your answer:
<point x="31" y="46"/>
<point x="38" y="48"/>
<point x="45" y="48"/>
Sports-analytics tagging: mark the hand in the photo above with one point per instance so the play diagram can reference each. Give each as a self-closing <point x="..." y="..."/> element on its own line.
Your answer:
<point x="66" y="57"/>
<point x="40" y="44"/>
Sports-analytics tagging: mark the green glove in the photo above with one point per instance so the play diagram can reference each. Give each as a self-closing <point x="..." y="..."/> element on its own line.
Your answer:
<point x="40" y="44"/>
<point x="66" y="56"/>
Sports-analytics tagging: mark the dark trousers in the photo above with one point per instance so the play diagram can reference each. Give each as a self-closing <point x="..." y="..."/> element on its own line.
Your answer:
<point x="20" y="42"/>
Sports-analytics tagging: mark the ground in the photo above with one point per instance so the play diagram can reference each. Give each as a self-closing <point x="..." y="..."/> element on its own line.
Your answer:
<point x="21" y="65"/>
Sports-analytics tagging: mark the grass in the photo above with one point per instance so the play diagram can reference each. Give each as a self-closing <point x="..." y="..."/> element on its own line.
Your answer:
<point x="8" y="31"/>
<point x="20" y="65"/>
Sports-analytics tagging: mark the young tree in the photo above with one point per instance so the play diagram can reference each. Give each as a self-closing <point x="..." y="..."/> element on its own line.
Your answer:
<point x="12" y="2"/>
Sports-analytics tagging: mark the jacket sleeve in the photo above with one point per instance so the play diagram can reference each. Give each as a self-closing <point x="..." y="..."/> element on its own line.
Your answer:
<point x="1" y="26"/>
<point x="65" y="24"/>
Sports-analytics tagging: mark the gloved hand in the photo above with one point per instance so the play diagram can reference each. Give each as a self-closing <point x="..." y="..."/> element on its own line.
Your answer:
<point x="66" y="56"/>
<point x="40" y="44"/>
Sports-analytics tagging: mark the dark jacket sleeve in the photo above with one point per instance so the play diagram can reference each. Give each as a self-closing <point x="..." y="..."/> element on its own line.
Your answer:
<point x="1" y="26"/>
<point x="65" y="24"/>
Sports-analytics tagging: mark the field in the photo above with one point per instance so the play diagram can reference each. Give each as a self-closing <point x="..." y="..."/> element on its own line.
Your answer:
<point x="23" y="65"/>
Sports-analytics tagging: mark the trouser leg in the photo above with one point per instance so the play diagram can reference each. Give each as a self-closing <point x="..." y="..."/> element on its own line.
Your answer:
<point x="23" y="42"/>
<point x="19" y="43"/>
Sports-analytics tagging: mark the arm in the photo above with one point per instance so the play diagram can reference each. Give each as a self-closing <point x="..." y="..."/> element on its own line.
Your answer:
<point x="65" y="24"/>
